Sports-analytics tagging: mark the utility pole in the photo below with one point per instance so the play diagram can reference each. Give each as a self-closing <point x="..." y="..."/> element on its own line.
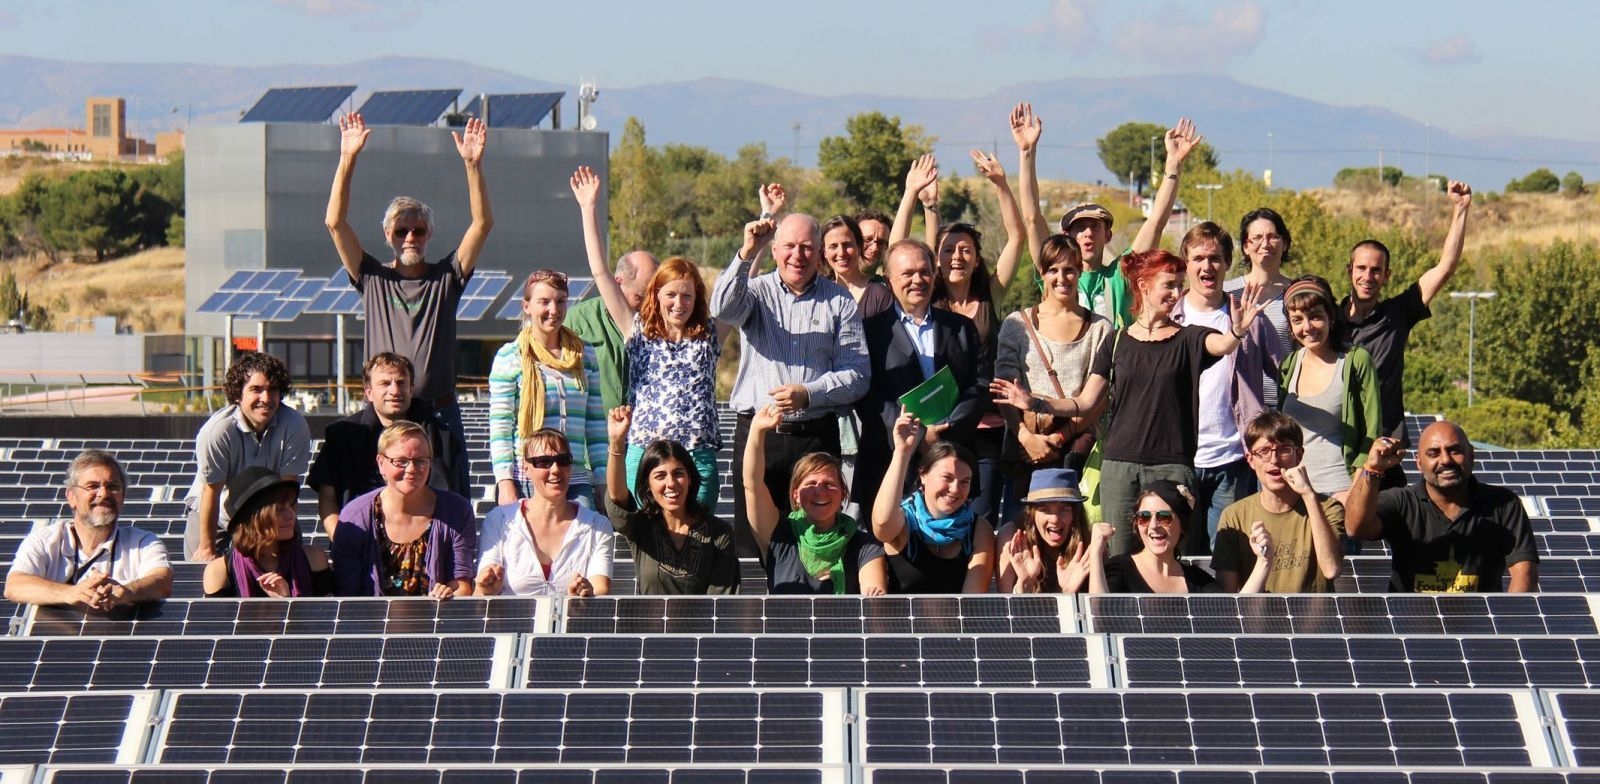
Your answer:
<point x="797" y="142"/>
<point x="1472" y="298"/>
<point x="1209" y="188"/>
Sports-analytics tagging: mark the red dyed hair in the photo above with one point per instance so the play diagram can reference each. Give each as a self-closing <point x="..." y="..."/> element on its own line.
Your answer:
<point x="1139" y="268"/>
<point x="675" y="269"/>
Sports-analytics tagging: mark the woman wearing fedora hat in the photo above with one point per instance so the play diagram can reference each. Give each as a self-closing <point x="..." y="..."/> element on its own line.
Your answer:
<point x="269" y="557"/>
<point x="1047" y="551"/>
<point x="1161" y="514"/>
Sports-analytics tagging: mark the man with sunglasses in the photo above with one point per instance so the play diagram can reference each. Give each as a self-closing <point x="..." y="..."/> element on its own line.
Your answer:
<point x="411" y="304"/>
<point x="89" y="562"/>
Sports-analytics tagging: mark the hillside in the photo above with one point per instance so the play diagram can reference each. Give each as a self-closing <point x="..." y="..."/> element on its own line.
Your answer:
<point x="144" y="291"/>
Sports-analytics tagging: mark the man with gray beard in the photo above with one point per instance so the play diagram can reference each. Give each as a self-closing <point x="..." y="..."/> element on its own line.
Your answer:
<point x="89" y="562"/>
<point x="411" y="304"/>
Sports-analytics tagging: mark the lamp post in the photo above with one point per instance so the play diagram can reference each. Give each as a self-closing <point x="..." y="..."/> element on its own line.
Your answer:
<point x="1472" y="298"/>
<point x="1153" y="164"/>
<point x="1209" y="188"/>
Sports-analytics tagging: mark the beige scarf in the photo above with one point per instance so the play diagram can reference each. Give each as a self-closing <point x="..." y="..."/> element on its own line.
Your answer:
<point x="534" y="354"/>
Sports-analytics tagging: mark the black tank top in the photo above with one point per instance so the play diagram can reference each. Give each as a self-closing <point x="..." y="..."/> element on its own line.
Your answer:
<point x="915" y="570"/>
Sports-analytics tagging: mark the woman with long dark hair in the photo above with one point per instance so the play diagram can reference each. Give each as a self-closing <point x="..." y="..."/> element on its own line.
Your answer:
<point x="1161" y="516"/>
<point x="934" y="540"/>
<point x="269" y="556"/>
<point x="1330" y="387"/>
<point x="1047" y="551"/>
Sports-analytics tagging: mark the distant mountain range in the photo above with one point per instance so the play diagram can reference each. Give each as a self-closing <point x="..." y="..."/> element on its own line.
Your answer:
<point x="1304" y="142"/>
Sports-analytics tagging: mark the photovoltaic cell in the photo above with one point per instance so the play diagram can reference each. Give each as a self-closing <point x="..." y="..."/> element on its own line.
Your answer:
<point x="32" y="663"/>
<point x="515" y="110"/>
<point x="1577" y="723"/>
<point x="1168" y="775"/>
<point x="249" y="293"/>
<point x="990" y="614"/>
<point x="298" y="104"/>
<point x="218" y="617"/>
<point x="683" y="661"/>
<point x="412" y="774"/>
<point x="406" y="107"/>
<point x="1473" y="729"/>
<point x="480" y="293"/>
<point x="577" y="289"/>
<point x="1459" y="614"/>
<point x="337" y="297"/>
<point x="40" y="729"/>
<point x="522" y="727"/>
<point x="1367" y="661"/>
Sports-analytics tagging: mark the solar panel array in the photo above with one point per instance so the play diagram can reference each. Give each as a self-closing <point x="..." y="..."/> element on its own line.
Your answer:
<point x="298" y="104"/>
<point x="514" y="110"/>
<point x="248" y="293"/>
<point x="281" y="295"/>
<point x="406" y="107"/>
<point x="1358" y="688"/>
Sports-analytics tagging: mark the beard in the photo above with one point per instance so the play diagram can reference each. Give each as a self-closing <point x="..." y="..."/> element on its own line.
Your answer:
<point x="410" y="257"/>
<point x="101" y="517"/>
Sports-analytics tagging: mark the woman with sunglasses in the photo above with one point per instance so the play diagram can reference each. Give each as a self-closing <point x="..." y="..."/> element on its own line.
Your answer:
<point x="934" y="541"/>
<point x="678" y="546"/>
<point x="672" y="346"/>
<point x="405" y="538"/>
<point x="544" y="543"/>
<point x="1163" y="512"/>
<point x="269" y="558"/>
<point x="1266" y="249"/>
<point x="546" y="378"/>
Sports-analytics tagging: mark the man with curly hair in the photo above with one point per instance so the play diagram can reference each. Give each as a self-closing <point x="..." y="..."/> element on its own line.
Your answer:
<point x="254" y="429"/>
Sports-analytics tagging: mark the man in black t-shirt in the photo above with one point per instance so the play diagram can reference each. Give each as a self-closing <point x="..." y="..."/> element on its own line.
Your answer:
<point x="1384" y="327"/>
<point x="1449" y="532"/>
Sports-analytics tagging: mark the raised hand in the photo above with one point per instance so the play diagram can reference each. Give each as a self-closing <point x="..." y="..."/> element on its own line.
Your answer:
<point x="274" y="584"/>
<point x="906" y="431"/>
<point x="1073" y="572"/>
<point x="1299" y="481"/>
<point x="765" y="418"/>
<point x="492" y="580"/>
<point x="1099" y="537"/>
<point x="470" y="144"/>
<point x="772" y="197"/>
<point x="353" y="134"/>
<point x="924" y="172"/>
<point x="1025" y="126"/>
<point x="989" y="166"/>
<point x="585" y="187"/>
<point x="1247" y="307"/>
<point x="1261" y="541"/>
<point x="933" y="433"/>
<point x="1010" y="393"/>
<point x="929" y="196"/>
<point x="1180" y="141"/>
<point x="1385" y="454"/>
<point x="1025" y="559"/>
<point x="617" y="423"/>
<point x="757" y="234"/>
<point x="1460" y="194"/>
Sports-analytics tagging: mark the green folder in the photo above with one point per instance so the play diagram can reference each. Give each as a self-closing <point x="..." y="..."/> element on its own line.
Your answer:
<point x="933" y="400"/>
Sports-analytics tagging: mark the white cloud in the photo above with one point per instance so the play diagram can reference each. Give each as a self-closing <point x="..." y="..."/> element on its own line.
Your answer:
<point x="1173" y="38"/>
<point x="1455" y="50"/>
<point x="1069" y="23"/>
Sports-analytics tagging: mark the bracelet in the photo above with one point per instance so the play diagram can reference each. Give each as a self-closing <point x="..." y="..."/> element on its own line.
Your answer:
<point x="1172" y="176"/>
<point x="1371" y="474"/>
<point x="1236" y="336"/>
<point x="1038" y="406"/>
<point x="765" y="216"/>
<point x="934" y="206"/>
<point x="615" y="453"/>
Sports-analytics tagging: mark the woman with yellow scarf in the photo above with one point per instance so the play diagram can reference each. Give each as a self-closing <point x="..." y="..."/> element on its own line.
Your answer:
<point x="547" y="377"/>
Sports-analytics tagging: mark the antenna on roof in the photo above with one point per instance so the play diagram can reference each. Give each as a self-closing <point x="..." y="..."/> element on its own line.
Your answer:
<point x="587" y="93"/>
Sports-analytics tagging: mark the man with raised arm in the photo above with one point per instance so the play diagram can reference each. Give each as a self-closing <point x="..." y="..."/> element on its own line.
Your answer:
<point x="1383" y="327"/>
<point x="89" y="562"/>
<point x="411" y="304"/>
<point x="595" y="326"/>
<point x="1448" y="532"/>
<point x="1101" y="287"/>
<point x="801" y="349"/>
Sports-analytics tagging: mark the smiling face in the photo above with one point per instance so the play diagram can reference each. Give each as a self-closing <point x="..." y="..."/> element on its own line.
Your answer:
<point x="958" y="256"/>
<point x="945" y="486"/>
<point x="840" y="251"/>
<point x="1053" y="522"/>
<point x="820" y="494"/>
<point x="1205" y="267"/>
<point x="549" y="483"/>
<point x="794" y="249"/>
<point x="910" y="278"/>
<point x="1369" y="271"/>
<point x="1444" y="456"/>
<point x="258" y="401"/>
<point x="669" y="485"/>
<point x="545" y="309"/>
<point x="1160" y="528"/>
<point x="874" y="241"/>
<point x="388" y="389"/>
<point x="416" y="456"/>
<point x="100" y="506"/>
<point x="1061" y="280"/>
<point x="1161" y="292"/>
<point x="675" y="300"/>
<point x="286" y="508"/>
<point x="1310" y="326"/>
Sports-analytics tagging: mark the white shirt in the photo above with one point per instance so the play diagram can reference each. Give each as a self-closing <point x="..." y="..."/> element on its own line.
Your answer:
<point x="127" y="555"/>
<point x="506" y="541"/>
<point x="1219" y="442"/>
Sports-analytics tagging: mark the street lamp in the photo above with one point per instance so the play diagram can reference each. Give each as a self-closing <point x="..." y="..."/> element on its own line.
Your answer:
<point x="1153" y="163"/>
<point x="1472" y="298"/>
<point x="1209" y="188"/>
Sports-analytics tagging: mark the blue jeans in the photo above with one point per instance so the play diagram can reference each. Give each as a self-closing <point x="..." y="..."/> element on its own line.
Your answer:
<point x="705" y="464"/>
<point x="1214" y="490"/>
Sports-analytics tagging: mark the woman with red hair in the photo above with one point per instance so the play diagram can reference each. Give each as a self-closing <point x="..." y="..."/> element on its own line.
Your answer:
<point x="672" y="349"/>
<point x="1152" y="371"/>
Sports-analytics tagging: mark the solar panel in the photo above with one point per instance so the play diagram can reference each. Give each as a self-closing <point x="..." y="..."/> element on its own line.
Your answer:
<point x="40" y="729"/>
<point x="986" y="614"/>
<point x="1576" y="716"/>
<point x="215" y="617"/>
<point x="1139" y="774"/>
<point x="32" y="663"/>
<point x="684" y="661"/>
<point x="406" y="107"/>
<point x="521" y="727"/>
<point x="577" y="289"/>
<point x="293" y="301"/>
<point x="480" y="293"/>
<point x="248" y="292"/>
<point x="412" y="774"/>
<point x="1478" y="728"/>
<point x="337" y="296"/>
<point x="1215" y="661"/>
<point x="1342" y="614"/>
<point x="298" y="104"/>
<point x="515" y="110"/>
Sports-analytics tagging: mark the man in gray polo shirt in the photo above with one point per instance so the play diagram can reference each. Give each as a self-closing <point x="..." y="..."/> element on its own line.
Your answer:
<point x="411" y="304"/>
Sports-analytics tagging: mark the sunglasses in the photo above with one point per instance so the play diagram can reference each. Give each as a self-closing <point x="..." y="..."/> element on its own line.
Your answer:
<point x="546" y="462"/>
<point x="401" y="232"/>
<point x="1144" y="516"/>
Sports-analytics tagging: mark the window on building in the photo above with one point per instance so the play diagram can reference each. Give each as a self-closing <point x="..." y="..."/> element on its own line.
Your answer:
<point x="102" y="120"/>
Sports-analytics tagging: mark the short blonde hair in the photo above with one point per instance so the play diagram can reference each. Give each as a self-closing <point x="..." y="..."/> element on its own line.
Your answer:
<point x="401" y="430"/>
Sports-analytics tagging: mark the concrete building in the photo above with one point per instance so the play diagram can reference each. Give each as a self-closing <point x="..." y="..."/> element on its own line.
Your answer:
<point x="104" y="136"/>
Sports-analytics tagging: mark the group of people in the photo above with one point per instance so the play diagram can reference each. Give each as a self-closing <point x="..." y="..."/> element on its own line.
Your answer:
<point x="1256" y="419"/>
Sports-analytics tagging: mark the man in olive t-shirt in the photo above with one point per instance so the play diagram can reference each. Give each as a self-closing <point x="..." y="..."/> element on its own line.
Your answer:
<point x="593" y="324"/>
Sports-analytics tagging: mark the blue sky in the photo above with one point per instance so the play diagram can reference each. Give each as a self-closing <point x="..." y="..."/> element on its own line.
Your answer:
<point x="1472" y="67"/>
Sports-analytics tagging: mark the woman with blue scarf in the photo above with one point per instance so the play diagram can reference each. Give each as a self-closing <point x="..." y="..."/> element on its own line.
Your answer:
<point x="934" y="542"/>
<point x="813" y="549"/>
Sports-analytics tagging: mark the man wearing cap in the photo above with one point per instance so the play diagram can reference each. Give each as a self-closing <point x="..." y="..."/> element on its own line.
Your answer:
<point x="1047" y="551"/>
<point x="1101" y="287"/>
<point x="89" y="562"/>
<point x="1449" y="532"/>
<point x="1305" y="525"/>
<point x="269" y="558"/>
<point x="347" y="464"/>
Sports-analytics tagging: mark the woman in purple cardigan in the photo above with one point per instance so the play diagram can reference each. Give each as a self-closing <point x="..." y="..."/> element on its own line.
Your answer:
<point x="405" y="539"/>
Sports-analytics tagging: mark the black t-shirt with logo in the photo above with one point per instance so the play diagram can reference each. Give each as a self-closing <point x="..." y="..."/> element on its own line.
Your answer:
<point x="1384" y="333"/>
<point x="1433" y="553"/>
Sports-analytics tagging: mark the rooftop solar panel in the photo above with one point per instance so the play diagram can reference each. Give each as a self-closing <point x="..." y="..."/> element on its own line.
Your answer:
<point x="990" y="614"/>
<point x="458" y="774"/>
<point x="298" y="104"/>
<point x="519" y="727"/>
<point x="480" y="293"/>
<point x="39" y="729"/>
<point x="406" y="107"/>
<point x="1139" y="774"/>
<point x="1576" y="716"/>
<point x="337" y="297"/>
<point x="1471" y="729"/>
<point x="577" y="289"/>
<point x="685" y="661"/>
<point x="515" y="110"/>
<point x="212" y="617"/>
<point x="249" y="293"/>
<point x="1342" y="614"/>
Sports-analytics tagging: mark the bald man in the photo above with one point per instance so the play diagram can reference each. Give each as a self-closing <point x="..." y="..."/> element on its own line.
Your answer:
<point x="1449" y="532"/>
<point x="593" y="324"/>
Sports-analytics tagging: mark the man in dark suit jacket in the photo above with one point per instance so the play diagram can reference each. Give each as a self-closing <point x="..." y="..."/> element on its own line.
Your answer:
<point x="906" y="345"/>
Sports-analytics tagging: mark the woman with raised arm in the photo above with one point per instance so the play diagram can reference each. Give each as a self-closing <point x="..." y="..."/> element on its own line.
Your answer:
<point x="545" y="544"/>
<point x="1162" y="514"/>
<point x="1047" y="551"/>
<point x="922" y="185"/>
<point x="1152" y="371"/>
<point x="678" y="546"/>
<point x="841" y="250"/>
<point x="1266" y="249"/>
<point x="935" y="543"/>
<point x="405" y="538"/>
<point x="269" y="556"/>
<point x="815" y="548"/>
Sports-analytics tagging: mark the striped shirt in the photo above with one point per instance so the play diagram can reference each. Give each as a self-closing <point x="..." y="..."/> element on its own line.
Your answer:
<point x="578" y="412"/>
<point x="812" y="338"/>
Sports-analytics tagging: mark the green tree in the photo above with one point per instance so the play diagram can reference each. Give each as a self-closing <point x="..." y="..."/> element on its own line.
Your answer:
<point x="95" y="210"/>
<point x="871" y="160"/>
<point x="1572" y="184"/>
<point x="726" y="197"/>
<point x="1510" y="423"/>
<point x="1127" y="149"/>
<point x="1533" y="338"/>
<point x="1540" y="180"/>
<point x="14" y="305"/>
<point x="1368" y="177"/>
<point x="638" y="211"/>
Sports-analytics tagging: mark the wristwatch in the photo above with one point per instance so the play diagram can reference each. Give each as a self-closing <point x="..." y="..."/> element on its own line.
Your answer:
<point x="766" y="216"/>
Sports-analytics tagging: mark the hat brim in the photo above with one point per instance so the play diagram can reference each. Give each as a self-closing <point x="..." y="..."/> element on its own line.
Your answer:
<point x="1052" y="498"/>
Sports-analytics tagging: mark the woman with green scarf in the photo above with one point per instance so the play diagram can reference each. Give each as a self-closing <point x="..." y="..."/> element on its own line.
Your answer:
<point x="813" y="549"/>
<point x="933" y="541"/>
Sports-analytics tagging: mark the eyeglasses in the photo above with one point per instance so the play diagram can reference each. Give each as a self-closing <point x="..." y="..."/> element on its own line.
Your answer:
<point x="402" y="463"/>
<point x="1265" y="239"/>
<point x="111" y="488"/>
<point x="1144" y="516"/>
<point x="1275" y="452"/>
<point x="401" y="232"/>
<point x="546" y="462"/>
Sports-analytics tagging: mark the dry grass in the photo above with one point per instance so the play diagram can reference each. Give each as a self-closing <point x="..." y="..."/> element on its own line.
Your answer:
<point x="144" y="291"/>
<point x="1535" y="219"/>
